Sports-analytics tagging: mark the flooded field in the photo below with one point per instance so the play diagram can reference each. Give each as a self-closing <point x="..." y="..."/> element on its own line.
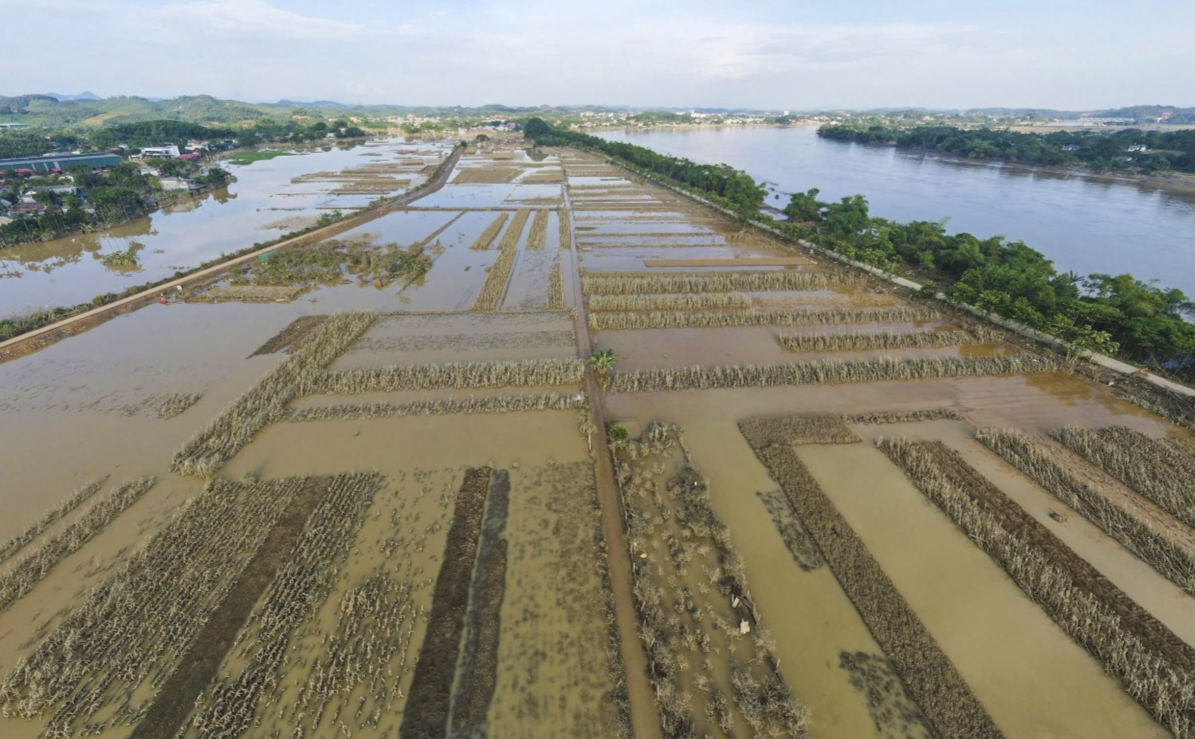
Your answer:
<point x="268" y="199"/>
<point x="373" y="487"/>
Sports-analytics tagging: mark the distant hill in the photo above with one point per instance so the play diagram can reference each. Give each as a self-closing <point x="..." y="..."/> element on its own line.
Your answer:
<point x="81" y="97"/>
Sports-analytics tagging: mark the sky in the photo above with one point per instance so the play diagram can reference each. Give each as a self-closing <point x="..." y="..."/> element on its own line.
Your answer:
<point x="766" y="54"/>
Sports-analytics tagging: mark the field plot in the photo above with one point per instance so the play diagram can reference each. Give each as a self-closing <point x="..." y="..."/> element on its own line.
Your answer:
<point x="376" y="486"/>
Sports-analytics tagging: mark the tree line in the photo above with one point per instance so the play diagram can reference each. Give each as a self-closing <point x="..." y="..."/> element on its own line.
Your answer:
<point x="1106" y="313"/>
<point x="1130" y="150"/>
<point x="722" y="183"/>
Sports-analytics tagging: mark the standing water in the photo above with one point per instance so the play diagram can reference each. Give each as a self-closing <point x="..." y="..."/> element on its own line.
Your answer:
<point x="1084" y="224"/>
<point x="268" y="199"/>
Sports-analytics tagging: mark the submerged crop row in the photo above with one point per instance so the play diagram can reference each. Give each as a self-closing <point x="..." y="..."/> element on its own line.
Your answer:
<point x="885" y="340"/>
<point x="633" y="283"/>
<point x="1154" y="666"/>
<point x="734" y="318"/>
<point x="212" y="446"/>
<point x="669" y="301"/>
<point x="1153" y="468"/>
<point x="924" y="669"/>
<point x="828" y="372"/>
<point x="486" y="237"/>
<point x="695" y="611"/>
<point x="140" y="622"/>
<point x="441" y="407"/>
<point x="31" y="569"/>
<point x="495" y="282"/>
<point x="1155" y="548"/>
<point x="460" y="375"/>
<point x="298" y="589"/>
<point x="49" y="518"/>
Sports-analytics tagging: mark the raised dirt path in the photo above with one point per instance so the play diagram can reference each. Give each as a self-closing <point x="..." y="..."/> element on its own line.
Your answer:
<point x="645" y="718"/>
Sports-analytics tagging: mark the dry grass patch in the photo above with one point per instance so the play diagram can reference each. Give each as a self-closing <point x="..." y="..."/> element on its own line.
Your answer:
<point x="616" y="321"/>
<point x="460" y="375"/>
<point x="886" y="340"/>
<point x="630" y="283"/>
<point x="539" y="230"/>
<point x="671" y="301"/>
<point x="441" y="407"/>
<point x="829" y="372"/>
<point x="486" y="175"/>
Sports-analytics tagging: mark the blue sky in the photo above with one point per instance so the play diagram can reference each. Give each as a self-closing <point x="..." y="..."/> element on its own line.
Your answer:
<point x="750" y="53"/>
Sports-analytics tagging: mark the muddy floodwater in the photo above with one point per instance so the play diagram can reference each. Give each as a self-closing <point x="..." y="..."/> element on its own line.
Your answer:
<point x="374" y="487"/>
<point x="269" y="198"/>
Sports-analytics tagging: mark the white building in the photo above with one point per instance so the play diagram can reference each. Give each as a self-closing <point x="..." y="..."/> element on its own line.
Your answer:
<point x="165" y="152"/>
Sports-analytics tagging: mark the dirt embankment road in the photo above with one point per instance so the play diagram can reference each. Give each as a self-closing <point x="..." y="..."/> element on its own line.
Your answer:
<point x="40" y="338"/>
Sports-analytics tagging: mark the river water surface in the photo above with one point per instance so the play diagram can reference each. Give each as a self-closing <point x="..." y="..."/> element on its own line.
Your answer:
<point x="1084" y="224"/>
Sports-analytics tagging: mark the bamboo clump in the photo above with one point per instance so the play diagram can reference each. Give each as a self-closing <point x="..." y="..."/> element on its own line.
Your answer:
<point x="633" y="283"/>
<point x="211" y="447"/>
<point x="1155" y="667"/>
<point x="1155" y="548"/>
<point x="539" y="230"/>
<point x="1157" y="470"/>
<point x="881" y="341"/>
<point x="227" y="709"/>
<point x="828" y="372"/>
<point x="621" y="321"/>
<point x="136" y="626"/>
<point x="49" y="518"/>
<point x="27" y="572"/>
<point x="495" y="282"/>
<point x="441" y="407"/>
<point x="486" y="237"/>
<point x="459" y="375"/>
<point x="669" y="301"/>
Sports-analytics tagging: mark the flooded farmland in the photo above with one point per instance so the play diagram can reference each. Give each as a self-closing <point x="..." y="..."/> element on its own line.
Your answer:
<point x="372" y="486"/>
<point x="269" y="198"/>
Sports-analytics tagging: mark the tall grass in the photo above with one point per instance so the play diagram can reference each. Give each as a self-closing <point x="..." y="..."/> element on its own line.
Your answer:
<point x="734" y="318"/>
<point x="1171" y="560"/>
<point x="1153" y="468"/>
<point x="1155" y="667"/>
<point x="885" y="340"/>
<point x="460" y="375"/>
<point x="633" y="283"/>
<point x="495" y="282"/>
<point x="212" y="446"/>
<point x="668" y="301"/>
<point x="829" y="372"/>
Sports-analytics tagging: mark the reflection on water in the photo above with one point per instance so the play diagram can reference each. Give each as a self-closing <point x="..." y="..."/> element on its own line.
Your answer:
<point x="264" y="202"/>
<point x="1085" y="224"/>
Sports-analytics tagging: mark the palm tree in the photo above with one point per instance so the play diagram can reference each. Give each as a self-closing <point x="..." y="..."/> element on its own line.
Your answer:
<point x="603" y="360"/>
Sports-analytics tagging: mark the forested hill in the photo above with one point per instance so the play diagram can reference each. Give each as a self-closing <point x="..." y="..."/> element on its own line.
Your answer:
<point x="1132" y="150"/>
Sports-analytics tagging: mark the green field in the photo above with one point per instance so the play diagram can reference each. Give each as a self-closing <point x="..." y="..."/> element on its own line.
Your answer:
<point x="249" y="157"/>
